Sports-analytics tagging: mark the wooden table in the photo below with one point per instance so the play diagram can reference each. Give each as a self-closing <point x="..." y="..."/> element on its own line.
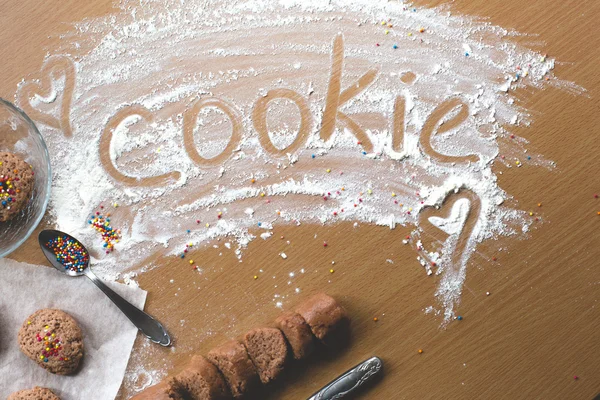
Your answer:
<point x="537" y="329"/>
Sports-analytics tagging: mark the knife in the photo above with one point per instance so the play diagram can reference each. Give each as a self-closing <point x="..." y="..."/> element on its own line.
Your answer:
<point x="350" y="381"/>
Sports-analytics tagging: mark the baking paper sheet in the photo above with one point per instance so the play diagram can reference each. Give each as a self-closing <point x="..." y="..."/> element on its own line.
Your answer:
<point x="108" y="335"/>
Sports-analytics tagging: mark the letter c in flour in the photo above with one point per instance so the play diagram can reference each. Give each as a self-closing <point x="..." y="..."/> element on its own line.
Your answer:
<point x="105" y="143"/>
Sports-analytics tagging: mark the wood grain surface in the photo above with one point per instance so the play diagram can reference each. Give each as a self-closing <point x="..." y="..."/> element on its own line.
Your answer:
<point x="538" y="328"/>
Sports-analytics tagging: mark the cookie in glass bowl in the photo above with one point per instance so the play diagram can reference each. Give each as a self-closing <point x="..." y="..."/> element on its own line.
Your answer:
<point x="16" y="184"/>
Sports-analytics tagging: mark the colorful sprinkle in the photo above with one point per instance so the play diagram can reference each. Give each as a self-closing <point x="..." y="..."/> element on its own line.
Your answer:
<point x="52" y="346"/>
<point x="8" y="190"/>
<point x="70" y="253"/>
<point x="109" y="235"/>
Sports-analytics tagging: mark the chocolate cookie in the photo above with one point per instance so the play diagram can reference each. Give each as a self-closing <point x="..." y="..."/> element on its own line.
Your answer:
<point x="52" y="339"/>
<point x="16" y="184"/>
<point x="201" y="380"/>
<point x="298" y="334"/>
<point x="37" y="393"/>
<point x="234" y="363"/>
<point x="328" y="320"/>
<point x="268" y="350"/>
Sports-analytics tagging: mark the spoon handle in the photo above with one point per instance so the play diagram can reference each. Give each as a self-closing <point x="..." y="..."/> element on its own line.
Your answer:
<point x="145" y="323"/>
<point x="351" y="381"/>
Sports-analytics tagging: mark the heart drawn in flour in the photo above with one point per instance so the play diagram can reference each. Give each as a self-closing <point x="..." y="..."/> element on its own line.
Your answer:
<point x="455" y="222"/>
<point x="454" y="226"/>
<point x="53" y="68"/>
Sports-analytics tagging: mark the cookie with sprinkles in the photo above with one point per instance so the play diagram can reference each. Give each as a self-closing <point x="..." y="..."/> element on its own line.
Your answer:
<point x="53" y="340"/>
<point x="16" y="184"/>
<point x="37" y="393"/>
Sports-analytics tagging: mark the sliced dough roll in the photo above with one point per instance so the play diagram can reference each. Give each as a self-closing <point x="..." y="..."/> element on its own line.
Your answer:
<point x="298" y="334"/>
<point x="268" y="350"/>
<point x="234" y="363"/>
<point x="162" y="391"/>
<point x="201" y="380"/>
<point x="327" y="319"/>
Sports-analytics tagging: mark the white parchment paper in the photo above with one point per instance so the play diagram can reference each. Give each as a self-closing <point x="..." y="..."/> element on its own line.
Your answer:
<point x="108" y="335"/>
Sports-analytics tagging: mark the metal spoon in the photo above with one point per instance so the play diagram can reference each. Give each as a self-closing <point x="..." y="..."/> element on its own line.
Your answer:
<point x="145" y="323"/>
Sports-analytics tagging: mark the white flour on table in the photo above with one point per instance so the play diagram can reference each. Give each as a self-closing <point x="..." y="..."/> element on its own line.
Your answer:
<point x="164" y="55"/>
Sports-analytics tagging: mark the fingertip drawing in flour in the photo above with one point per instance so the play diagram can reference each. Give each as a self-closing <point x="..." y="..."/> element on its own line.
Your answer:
<point x="44" y="91"/>
<point x="457" y="217"/>
<point x="361" y="122"/>
<point x="130" y="114"/>
<point x="190" y="119"/>
<point x="336" y="98"/>
<point x="396" y="148"/>
<point x="447" y="116"/>
<point x="259" y="119"/>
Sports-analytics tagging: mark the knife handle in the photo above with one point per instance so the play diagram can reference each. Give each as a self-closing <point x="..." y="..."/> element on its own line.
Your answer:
<point x="350" y="381"/>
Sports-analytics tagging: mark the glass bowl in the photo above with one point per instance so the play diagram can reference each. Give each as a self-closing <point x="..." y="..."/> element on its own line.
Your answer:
<point x="20" y="136"/>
